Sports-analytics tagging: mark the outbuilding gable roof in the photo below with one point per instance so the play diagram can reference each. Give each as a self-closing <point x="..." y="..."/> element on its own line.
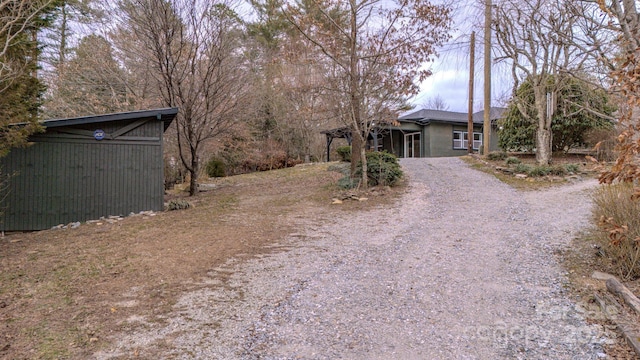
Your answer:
<point x="166" y="114"/>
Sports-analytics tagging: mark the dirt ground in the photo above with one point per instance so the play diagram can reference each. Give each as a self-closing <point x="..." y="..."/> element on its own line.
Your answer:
<point x="64" y="291"/>
<point x="581" y="260"/>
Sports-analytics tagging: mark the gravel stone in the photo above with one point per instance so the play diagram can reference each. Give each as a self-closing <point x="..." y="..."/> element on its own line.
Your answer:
<point x="462" y="267"/>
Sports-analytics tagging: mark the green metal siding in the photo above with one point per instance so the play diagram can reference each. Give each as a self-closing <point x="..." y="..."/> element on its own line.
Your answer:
<point x="426" y="141"/>
<point x="493" y="140"/>
<point x="64" y="178"/>
<point x="436" y="137"/>
<point x="441" y="139"/>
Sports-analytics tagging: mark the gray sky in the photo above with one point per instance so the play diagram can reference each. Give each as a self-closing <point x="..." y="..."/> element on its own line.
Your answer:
<point x="450" y="79"/>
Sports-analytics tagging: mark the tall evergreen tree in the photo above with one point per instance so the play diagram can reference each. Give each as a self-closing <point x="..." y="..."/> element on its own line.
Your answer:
<point x="20" y="89"/>
<point x="70" y="19"/>
<point x="91" y="82"/>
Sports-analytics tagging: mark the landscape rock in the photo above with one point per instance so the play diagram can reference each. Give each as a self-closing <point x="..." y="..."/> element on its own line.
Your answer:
<point x="207" y="187"/>
<point x="505" y="170"/>
<point x="602" y="276"/>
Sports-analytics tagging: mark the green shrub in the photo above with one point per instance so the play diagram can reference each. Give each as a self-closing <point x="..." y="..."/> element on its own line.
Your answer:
<point x="344" y="152"/>
<point x="382" y="168"/>
<point x="618" y="231"/>
<point x="512" y="160"/>
<point x="558" y="170"/>
<point x="344" y="169"/>
<point x="572" y="168"/>
<point x="497" y="155"/>
<point x="347" y="183"/>
<point x="522" y="169"/>
<point x="540" y="170"/>
<point x="215" y="167"/>
<point x="178" y="204"/>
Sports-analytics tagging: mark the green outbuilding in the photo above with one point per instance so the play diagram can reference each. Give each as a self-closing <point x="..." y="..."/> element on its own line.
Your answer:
<point x="85" y="168"/>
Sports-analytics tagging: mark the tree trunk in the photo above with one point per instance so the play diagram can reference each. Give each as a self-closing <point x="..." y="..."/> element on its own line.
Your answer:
<point x="193" y="171"/>
<point x="355" y="94"/>
<point x="365" y="178"/>
<point x="543" y="141"/>
<point x="356" y="155"/>
<point x="62" y="50"/>
<point x="543" y="133"/>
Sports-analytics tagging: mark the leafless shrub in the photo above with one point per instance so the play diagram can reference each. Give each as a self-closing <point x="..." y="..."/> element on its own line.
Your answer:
<point x="618" y="229"/>
<point x="604" y="143"/>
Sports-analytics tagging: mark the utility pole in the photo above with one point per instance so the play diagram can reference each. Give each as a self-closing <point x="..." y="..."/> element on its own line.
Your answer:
<point x="486" y="138"/>
<point x="472" y="59"/>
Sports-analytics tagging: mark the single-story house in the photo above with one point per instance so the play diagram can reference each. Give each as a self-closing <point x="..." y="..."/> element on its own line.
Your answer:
<point x="427" y="133"/>
<point x="84" y="168"/>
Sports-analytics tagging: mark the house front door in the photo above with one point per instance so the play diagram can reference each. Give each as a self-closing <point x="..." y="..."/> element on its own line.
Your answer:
<point x="412" y="145"/>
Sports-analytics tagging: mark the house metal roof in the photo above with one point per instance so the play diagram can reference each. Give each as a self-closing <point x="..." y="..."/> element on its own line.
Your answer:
<point x="165" y="114"/>
<point x="425" y="116"/>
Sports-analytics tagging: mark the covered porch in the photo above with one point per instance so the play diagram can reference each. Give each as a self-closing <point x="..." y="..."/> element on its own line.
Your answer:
<point x="403" y="143"/>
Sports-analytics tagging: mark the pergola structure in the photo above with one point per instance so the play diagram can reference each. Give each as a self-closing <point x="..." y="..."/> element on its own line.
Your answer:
<point x="345" y="133"/>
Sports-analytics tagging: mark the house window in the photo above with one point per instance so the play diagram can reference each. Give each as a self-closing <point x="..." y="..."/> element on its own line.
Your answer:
<point x="477" y="141"/>
<point x="461" y="139"/>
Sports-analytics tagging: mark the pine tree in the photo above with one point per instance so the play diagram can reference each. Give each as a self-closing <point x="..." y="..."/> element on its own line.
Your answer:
<point x="20" y="89"/>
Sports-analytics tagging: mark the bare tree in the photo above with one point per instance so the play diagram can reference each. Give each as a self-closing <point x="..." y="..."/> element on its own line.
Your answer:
<point x="91" y="82"/>
<point x="539" y="38"/>
<point x="377" y="50"/>
<point x="435" y="103"/>
<point x="287" y="103"/>
<point x="624" y="22"/>
<point x="193" y="50"/>
<point x="307" y="101"/>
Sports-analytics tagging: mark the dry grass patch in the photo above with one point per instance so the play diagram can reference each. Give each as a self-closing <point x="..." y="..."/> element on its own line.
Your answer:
<point x="580" y="260"/>
<point x="618" y="231"/>
<point x="65" y="293"/>
<point x="504" y="169"/>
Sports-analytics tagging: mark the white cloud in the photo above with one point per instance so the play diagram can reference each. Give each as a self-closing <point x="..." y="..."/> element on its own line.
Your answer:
<point x="450" y="79"/>
<point x="450" y="85"/>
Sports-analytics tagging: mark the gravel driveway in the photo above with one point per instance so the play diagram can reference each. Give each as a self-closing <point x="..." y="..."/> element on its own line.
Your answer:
<point x="463" y="267"/>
